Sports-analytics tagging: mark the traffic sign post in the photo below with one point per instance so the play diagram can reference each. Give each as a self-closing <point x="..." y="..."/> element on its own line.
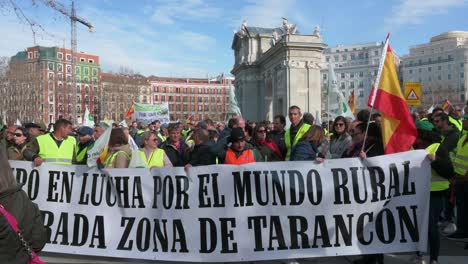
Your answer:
<point x="413" y="93"/>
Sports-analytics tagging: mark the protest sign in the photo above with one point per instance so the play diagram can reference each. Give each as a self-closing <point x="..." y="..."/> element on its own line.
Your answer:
<point x="148" y="113"/>
<point x="225" y="213"/>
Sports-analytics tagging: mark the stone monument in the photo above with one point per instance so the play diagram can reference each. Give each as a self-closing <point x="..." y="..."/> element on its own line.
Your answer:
<point x="276" y="68"/>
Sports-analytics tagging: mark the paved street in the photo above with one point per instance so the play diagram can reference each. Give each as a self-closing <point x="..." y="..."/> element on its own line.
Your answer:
<point x="451" y="253"/>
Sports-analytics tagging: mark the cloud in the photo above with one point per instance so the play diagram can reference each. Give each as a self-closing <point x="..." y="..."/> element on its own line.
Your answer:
<point x="168" y="13"/>
<point x="413" y="12"/>
<point x="266" y="13"/>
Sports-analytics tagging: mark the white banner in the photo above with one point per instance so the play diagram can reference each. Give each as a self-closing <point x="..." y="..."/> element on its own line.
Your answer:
<point x="148" y="113"/>
<point x="224" y="213"/>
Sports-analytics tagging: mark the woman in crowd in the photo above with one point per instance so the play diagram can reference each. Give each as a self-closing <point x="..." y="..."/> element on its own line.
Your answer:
<point x="120" y="153"/>
<point x="15" y="152"/>
<point x="340" y="139"/>
<point x="153" y="156"/>
<point x="373" y="145"/>
<point x="17" y="203"/>
<point x="307" y="147"/>
<point x="265" y="145"/>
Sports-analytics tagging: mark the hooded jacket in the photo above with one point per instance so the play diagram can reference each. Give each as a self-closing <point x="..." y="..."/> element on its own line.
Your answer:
<point x="30" y="222"/>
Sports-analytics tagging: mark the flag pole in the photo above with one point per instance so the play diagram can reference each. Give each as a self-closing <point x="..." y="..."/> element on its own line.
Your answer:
<point x="328" y="100"/>
<point x="373" y="94"/>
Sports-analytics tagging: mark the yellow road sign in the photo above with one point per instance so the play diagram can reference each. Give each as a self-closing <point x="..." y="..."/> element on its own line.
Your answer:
<point x="413" y="93"/>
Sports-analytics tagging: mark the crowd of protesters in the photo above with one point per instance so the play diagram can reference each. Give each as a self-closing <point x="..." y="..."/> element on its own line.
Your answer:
<point x="187" y="144"/>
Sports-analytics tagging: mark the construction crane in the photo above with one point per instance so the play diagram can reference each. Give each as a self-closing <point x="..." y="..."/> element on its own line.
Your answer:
<point x="73" y="19"/>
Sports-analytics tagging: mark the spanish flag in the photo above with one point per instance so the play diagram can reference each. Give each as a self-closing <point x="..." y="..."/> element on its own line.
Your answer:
<point x="129" y="114"/>
<point x="446" y="105"/>
<point x="398" y="129"/>
<point x="352" y="105"/>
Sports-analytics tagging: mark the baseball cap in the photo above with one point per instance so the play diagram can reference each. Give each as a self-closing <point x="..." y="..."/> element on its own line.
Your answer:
<point x="32" y="125"/>
<point x="237" y="134"/>
<point x="85" y="131"/>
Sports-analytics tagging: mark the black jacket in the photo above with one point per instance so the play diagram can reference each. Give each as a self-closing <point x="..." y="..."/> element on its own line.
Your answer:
<point x="177" y="159"/>
<point x="30" y="222"/>
<point x="202" y="155"/>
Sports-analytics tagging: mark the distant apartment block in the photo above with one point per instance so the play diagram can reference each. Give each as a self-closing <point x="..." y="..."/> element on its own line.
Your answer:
<point x="440" y="67"/>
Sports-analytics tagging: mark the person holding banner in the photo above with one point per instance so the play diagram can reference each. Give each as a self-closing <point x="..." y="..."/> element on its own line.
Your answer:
<point x="15" y="202"/>
<point x="308" y="146"/>
<point x="57" y="147"/>
<point x="120" y="153"/>
<point x="151" y="155"/>
<point x="340" y="139"/>
<point x="442" y="169"/>
<point x="238" y="153"/>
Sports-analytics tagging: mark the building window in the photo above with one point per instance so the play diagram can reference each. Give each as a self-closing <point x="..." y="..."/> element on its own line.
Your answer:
<point x="325" y="76"/>
<point x="449" y="76"/>
<point x="344" y="57"/>
<point x="327" y="59"/>
<point x="30" y="55"/>
<point x="410" y="71"/>
<point x="342" y="85"/>
<point x="376" y="52"/>
<point x="419" y="70"/>
<point x="429" y="69"/>
<point x="337" y="58"/>
<point x="82" y="60"/>
<point x="462" y="65"/>
<point x="59" y="55"/>
<point x="351" y="85"/>
<point x="351" y="75"/>
<point x="439" y="67"/>
<point x="361" y="74"/>
<point x="51" y="66"/>
<point x="68" y="57"/>
<point x="69" y="69"/>
<point x="353" y="56"/>
<point x="343" y="75"/>
<point x="86" y="70"/>
<point x="462" y="75"/>
<point x="199" y="107"/>
<point x="361" y="84"/>
<point x="91" y="61"/>
<point x="361" y="93"/>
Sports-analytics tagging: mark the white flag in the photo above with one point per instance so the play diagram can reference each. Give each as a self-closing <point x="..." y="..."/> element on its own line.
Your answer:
<point x="430" y="109"/>
<point x="88" y="119"/>
<point x="123" y="124"/>
<point x="318" y="120"/>
<point x="18" y="123"/>
<point x="337" y="103"/>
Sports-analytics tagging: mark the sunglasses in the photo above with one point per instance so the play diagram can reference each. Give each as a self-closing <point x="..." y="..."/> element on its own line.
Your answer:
<point x="339" y="124"/>
<point x="18" y="134"/>
<point x="261" y="131"/>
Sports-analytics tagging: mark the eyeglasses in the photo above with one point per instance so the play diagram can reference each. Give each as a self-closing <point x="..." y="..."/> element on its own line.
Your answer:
<point x="339" y="124"/>
<point x="18" y="135"/>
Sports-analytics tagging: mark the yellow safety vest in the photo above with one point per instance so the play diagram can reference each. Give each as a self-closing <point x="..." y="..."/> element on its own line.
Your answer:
<point x="109" y="162"/>
<point x="460" y="161"/>
<point x="163" y="138"/>
<point x="287" y="138"/>
<point x="81" y="154"/>
<point x="438" y="183"/>
<point x="457" y="123"/>
<point x="50" y="152"/>
<point x="156" y="158"/>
